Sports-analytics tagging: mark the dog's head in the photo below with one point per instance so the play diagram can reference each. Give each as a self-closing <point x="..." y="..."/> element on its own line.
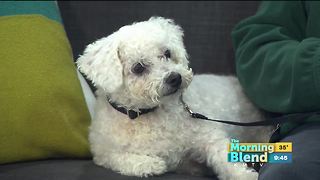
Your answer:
<point x="140" y="64"/>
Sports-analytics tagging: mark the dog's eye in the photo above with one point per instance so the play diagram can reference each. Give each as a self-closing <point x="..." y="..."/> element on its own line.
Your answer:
<point x="138" y="68"/>
<point x="167" y="54"/>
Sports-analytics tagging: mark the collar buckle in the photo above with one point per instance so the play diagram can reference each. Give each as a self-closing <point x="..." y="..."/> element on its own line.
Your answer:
<point x="132" y="114"/>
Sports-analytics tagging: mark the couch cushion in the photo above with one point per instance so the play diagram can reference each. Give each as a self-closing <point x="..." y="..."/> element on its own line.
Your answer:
<point x="74" y="170"/>
<point x="207" y="25"/>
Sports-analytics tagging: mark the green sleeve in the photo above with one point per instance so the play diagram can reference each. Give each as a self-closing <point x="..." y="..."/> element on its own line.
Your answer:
<point x="277" y="65"/>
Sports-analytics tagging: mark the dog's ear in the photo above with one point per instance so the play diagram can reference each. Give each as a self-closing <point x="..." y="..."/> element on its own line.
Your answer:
<point x="101" y="64"/>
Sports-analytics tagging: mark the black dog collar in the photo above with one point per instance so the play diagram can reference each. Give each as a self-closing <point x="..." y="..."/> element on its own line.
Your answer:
<point x="131" y="113"/>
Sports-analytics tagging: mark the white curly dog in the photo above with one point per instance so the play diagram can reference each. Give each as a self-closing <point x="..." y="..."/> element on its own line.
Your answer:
<point x="143" y="68"/>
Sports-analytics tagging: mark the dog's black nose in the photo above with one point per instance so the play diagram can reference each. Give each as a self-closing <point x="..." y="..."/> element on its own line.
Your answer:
<point x="174" y="80"/>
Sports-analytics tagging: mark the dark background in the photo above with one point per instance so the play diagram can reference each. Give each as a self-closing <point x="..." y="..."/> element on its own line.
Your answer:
<point x="207" y="25"/>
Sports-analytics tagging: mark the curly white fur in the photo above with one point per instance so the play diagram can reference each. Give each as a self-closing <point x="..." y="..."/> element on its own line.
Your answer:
<point x="161" y="141"/>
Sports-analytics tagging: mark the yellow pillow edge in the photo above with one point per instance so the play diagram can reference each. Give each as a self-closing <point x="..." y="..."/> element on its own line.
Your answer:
<point x="59" y="26"/>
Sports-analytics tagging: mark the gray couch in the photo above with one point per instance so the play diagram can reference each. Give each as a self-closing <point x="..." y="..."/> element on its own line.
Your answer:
<point x="207" y="27"/>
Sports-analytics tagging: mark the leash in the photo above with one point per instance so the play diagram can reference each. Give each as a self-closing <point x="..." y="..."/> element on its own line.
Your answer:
<point x="295" y="117"/>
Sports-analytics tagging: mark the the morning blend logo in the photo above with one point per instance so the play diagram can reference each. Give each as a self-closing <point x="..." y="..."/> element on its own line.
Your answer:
<point x="259" y="152"/>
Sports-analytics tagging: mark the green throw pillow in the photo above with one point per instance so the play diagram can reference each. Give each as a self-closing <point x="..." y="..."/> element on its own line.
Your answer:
<point x="42" y="107"/>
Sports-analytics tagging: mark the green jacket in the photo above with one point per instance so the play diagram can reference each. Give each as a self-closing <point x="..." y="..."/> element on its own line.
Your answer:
<point x="278" y="56"/>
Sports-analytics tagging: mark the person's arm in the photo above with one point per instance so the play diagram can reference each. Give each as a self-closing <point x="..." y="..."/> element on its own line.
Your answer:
<point x="278" y="67"/>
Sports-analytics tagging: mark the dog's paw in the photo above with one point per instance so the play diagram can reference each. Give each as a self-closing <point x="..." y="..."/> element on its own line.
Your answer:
<point x="244" y="174"/>
<point x="153" y="166"/>
<point x="240" y="176"/>
<point x="247" y="175"/>
<point x="238" y="172"/>
<point x="144" y="166"/>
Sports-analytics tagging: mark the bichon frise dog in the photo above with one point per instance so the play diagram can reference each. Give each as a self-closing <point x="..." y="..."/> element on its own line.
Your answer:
<point x="140" y="126"/>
